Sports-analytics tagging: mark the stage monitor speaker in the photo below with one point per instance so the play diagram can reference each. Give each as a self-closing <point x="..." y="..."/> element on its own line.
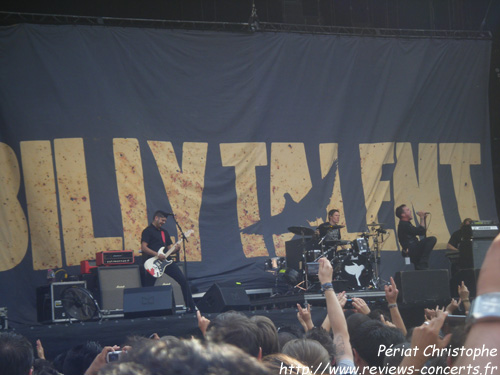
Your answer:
<point x="149" y="301"/>
<point x="113" y="280"/>
<point x="422" y="286"/>
<point x="223" y="297"/>
<point x="49" y="302"/>
<point x="165" y="280"/>
<point x="469" y="277"/>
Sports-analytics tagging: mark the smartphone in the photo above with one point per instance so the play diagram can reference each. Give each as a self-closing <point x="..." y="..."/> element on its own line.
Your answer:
<point x="113" y="356"/>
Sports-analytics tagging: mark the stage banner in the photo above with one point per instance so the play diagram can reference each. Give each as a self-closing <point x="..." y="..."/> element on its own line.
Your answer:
<point x="240" y="135"/>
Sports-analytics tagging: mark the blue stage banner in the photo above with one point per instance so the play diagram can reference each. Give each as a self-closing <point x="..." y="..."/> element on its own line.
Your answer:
<point x="240" y="135"/>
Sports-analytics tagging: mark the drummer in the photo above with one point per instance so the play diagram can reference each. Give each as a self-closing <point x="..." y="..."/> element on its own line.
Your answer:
<point x="330" y="230"/>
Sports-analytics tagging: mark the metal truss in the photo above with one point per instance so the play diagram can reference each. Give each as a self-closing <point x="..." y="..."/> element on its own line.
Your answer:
<point x="374" y="32"/>
<point x="10" y="18"/>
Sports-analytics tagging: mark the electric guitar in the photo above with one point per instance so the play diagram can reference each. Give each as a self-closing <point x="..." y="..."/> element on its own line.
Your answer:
<point x="156" y="267"/>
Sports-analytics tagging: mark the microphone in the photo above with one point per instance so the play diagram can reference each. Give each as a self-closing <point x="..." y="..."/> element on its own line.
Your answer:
<point x="381" y="230"/>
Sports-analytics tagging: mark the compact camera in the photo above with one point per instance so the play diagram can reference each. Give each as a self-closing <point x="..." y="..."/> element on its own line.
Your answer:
<point x="113" y="356"/>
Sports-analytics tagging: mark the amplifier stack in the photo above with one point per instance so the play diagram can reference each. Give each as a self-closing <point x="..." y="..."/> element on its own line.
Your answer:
<point x="117" y="257"/>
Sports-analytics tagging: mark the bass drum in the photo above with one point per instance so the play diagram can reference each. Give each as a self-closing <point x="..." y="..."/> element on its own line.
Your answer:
<point x="356" y="271"/>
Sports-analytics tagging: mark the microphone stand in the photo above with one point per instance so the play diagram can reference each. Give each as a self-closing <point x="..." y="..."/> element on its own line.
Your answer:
<point x="184" y="240"/>
<point x="425" y="225"/>
<point x="377" y="259"/>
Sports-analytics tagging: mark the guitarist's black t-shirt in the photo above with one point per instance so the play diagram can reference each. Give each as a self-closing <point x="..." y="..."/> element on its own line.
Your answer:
<point x="152" y="236"/>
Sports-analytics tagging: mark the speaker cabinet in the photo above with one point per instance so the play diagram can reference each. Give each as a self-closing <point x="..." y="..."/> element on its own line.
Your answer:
<point x="422" y="286"/>
<point x="166" y="280"/>
<point x="479" y="249"/>
<point x="148" y="301"/>
<point x="220" y="298"/>
<point x="43" y="304"/>
<point x="294" y="250"/>
<point x="49" y="302"/>
<point x="113" y="280"/>
<point x="475" y="244"/>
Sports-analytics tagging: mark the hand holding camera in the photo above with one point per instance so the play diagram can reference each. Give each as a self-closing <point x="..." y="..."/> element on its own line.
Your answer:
<point x="113" y="356"/>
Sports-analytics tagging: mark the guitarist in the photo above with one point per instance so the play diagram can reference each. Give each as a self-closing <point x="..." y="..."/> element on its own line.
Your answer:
<point x="153" y="238"/>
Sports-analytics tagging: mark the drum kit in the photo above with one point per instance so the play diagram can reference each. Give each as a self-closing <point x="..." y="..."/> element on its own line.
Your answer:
<point x="354" y="262"/>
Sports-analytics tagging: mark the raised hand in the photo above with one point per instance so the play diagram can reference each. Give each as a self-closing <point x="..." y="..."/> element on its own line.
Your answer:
<point x="202" y="322"/>
<point x="360" y="306"/>
<point x="304" y="317"/>
<point x="463" y="292"/>
<point x="325" y="272"/>
<point x="342" y="299"/>
<point x="452" y="306"/>
<point x="39" y="349"/>
<point x="391" y="292"/>
<point x="388" y="323"/>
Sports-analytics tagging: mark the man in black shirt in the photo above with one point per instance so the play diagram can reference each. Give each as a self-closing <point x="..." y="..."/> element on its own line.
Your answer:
<point x="457" y="236"/>
<point x="460" y="241"/>
<point x="153" y="238"/>
<point x="326" y="229"/>
<point x="418" y="251"/>
<point x="328" y="233"/>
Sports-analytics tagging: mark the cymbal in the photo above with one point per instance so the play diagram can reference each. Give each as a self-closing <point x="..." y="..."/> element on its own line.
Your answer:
<point x="375" y="224"/>
<point x="301" y="231"/>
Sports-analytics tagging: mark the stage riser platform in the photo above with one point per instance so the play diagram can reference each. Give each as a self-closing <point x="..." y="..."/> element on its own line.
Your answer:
<point x="57" y="338"/>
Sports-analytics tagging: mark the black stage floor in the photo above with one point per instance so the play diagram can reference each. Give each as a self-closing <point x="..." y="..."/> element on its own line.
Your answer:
<point x="57" y="338"/>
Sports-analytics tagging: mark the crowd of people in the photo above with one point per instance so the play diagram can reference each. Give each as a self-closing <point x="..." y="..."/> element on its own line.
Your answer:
<point x="357" y="341"/>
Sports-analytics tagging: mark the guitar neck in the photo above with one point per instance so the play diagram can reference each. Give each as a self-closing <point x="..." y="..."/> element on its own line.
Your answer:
<point x="172" y="249"/>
